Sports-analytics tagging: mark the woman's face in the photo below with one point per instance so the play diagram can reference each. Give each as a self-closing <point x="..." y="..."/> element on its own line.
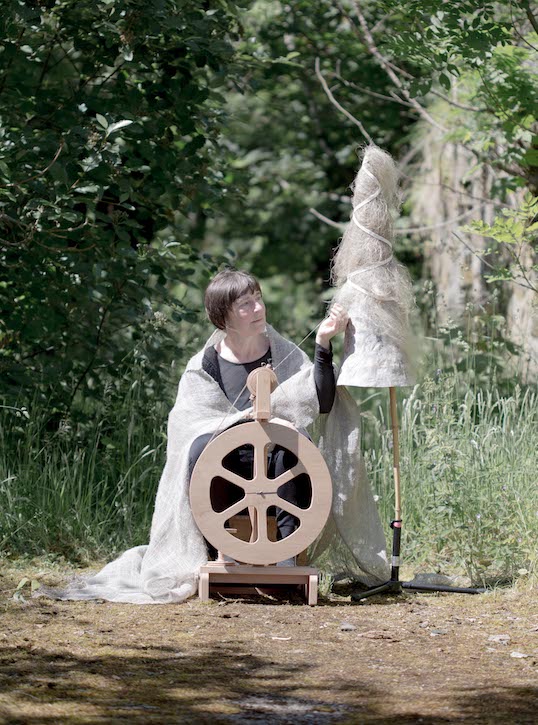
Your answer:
<point x="247" y="315"/>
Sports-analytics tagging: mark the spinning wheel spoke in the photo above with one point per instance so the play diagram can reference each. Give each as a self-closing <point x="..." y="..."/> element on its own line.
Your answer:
<point x="260" y="461"/>
<point x="291" y="508"/>
<point x="230" y="476"/>
<point x="288" y="475"/>
<point x="234" y="509"/>
<point x="263" y="536"/>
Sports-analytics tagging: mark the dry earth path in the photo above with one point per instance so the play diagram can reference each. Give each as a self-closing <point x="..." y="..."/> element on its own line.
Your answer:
<point x="424" y="658"/>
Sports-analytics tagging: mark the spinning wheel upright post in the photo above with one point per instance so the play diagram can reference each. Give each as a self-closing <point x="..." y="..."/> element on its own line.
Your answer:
<point x="394" y="585"/>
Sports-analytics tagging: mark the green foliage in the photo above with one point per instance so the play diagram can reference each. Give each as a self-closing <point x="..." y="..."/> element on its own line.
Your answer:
<point x="142" y="144"/>
<point x="468" y="441"/>
<point x="79" y="492"/>
<point x="513" y="234"/>
<point x="482" y="56"/>
<point x="110" y="155"/>
<point x="291" y="150"/>
<point x="468" y="460"/>
<point x="448" y="32"/>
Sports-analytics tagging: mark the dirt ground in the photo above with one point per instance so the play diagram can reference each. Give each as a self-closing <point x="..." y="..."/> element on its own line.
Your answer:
<point x="428" y="658"/>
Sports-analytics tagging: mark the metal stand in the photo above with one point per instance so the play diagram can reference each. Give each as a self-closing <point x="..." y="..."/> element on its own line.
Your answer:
<point x="394" y="585"/>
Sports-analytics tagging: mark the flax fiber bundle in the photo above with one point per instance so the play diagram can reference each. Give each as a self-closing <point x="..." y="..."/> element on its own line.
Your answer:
<point x="373" y="287"/>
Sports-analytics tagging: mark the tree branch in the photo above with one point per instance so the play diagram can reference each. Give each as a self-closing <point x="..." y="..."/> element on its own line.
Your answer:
<point x="532" y="19"/>
<point x="46" y="64"/>
<point x="456" y="104"/>
<point x="408" y="230"/>
<point x="457" y="191"/>
<point x="326" y="220"/>
<point x="39" y="173"/>
<point x="340" y="107"/>
<point x="8" y="67"/>
<point x="516" y="29"/>
<point x="387" y="65"/>
<point x="395" y="98"/>
<point x="528" y="286"/>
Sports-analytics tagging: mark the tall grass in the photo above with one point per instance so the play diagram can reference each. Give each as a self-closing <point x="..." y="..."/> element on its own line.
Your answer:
<point x="469" y="478"/>
<point x="81" y="490"/>
<point x="468" y="453"/>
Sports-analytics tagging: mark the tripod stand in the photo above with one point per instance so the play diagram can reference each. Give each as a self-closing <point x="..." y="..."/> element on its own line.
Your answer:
<point x="394" y="585"/>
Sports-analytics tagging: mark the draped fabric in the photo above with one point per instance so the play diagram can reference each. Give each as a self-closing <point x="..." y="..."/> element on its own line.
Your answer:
<point x="166" y="569"/>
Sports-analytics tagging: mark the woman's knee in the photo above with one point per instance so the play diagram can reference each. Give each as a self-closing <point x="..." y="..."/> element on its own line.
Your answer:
<point x="197" y="448"/>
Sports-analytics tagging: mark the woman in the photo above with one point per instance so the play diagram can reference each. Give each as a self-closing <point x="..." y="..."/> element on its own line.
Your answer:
<point x="211" y="398"/>
<point x="234" y="304"/>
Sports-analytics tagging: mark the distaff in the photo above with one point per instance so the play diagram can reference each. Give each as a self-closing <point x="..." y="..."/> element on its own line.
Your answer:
<point x="372" y="285"/>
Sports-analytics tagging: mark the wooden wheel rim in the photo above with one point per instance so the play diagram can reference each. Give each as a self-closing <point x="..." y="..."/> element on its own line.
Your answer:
<point x="260" y="492"/>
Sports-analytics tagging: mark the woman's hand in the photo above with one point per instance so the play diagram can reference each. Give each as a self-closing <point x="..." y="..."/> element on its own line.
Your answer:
<point x="335" y="322"/>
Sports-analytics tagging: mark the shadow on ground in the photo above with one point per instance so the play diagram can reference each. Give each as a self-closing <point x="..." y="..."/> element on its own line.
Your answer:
<point x="219" y="684"/>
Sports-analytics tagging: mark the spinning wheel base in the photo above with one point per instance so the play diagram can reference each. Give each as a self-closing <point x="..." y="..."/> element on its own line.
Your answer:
<point x="215" y="573"/>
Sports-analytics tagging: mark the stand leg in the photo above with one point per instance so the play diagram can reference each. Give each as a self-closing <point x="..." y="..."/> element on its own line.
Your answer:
<point x="312" y="589"/>
<point x="442" y="588"/>
<point x="203" y="587"/>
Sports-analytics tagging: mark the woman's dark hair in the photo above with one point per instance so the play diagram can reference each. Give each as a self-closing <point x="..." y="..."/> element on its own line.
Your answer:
<point x="224" y="289"/>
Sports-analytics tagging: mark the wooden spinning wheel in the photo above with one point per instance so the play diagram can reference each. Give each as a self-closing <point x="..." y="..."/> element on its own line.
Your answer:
<point x="261" y="491"/>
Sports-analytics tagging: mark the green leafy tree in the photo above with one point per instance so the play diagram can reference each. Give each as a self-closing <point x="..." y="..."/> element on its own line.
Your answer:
<point x="110" y="123"/>
<point x="513" y="245"/>
<point x="480" y="58"/>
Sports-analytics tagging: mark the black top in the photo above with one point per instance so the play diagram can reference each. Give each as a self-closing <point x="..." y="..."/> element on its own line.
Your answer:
<point x="232" y="377"/>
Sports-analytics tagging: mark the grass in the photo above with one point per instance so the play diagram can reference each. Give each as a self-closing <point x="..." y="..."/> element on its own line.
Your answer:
<point x="469" y="482"/>
<point x="83" y="490"/>
<point x="468" y="454"/>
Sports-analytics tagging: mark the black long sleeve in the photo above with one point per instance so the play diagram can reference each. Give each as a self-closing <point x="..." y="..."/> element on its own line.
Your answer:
<point x="324" y="377"/>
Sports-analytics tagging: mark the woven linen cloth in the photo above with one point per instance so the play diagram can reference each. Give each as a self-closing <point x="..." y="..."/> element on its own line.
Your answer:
<point x="166" y="570"/>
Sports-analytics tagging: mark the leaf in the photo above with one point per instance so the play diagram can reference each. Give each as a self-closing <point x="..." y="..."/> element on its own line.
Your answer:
<point x="117" y="125"/>
<point x="102" y="120"/>
<point x="90" y="189"/>
<point x="530" y="158"/>
<point x="444" y="80"/>
<point x="22" y="583"/>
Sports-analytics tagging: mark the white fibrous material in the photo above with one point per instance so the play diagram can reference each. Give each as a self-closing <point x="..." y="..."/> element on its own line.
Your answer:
<point x="373" y="286"/>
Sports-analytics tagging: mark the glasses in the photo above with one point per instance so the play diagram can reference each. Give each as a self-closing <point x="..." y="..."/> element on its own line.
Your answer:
<point x="247" y="303"/>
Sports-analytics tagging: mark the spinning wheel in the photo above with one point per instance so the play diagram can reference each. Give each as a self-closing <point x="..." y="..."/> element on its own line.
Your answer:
<point x="260" y="492"/>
